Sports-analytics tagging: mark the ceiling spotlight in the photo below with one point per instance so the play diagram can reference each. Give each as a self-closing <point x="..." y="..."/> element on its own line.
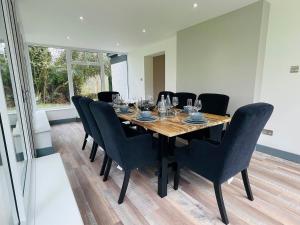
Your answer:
<point x="81" y="18"/>
<point x="68" y="37"/>
<point x="118" y="44"/>
<point x="144" y="30"/>
<point x="195" y="5"/>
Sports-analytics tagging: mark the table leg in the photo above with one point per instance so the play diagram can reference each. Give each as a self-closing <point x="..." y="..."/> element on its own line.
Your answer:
<point x="163" y="174"/>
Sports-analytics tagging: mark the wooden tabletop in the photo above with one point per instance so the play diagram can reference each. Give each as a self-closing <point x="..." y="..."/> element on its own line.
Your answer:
<point x="174" y="126"/>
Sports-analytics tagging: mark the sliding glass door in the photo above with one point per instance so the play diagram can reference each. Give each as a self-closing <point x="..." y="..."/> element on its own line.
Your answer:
<point x="8" y="206"/>
<point x="16" y="115"/>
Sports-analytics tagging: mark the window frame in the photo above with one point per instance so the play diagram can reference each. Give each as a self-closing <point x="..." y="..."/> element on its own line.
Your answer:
<point x="70" y="62"/>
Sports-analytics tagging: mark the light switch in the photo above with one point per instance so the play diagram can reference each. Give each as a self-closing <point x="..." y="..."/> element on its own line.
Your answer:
<point x="294" y="69"/>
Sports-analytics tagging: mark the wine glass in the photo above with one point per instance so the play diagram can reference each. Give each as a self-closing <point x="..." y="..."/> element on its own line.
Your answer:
<point x="175" y="103"/>
<point x="198" y="105"/>
<point x="189" y="102"/>
<point x="113" y="97"/>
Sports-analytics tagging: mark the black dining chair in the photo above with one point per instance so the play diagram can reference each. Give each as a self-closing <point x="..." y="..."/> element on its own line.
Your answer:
<point x="106" y="96"/>
<point x="75" y="100"/>
<point x="129" y="153"/>
<point x="214" y="104"/>
<point x="183" y="97"/>
<point x="84" y="103"/>
<point x="165" y="94"/>
<point x="218" y="163"/>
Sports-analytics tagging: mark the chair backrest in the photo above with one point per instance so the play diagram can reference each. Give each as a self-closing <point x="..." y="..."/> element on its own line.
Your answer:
<point x="183" y="97"/>
<point x="214" y="103"/>
<point x="84" y="102"/>
<point x="75" y="100"/>
<point x="165" y="93"/>
<point x="106" y="96"/>
<point x="241" y="137"/>
<point x="111" y="130"/>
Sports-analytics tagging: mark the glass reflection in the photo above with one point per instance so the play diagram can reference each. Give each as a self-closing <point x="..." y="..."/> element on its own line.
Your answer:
<point x="7" y="78"/>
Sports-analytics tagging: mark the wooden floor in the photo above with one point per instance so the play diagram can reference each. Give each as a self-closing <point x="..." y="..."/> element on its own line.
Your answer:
<point x="275" y="185"/>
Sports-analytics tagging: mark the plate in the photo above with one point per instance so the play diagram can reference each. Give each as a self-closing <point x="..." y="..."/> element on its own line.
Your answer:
<point x="190" y="121"/>
<point x="128" y="112"/>
<point x="147" y="119"/>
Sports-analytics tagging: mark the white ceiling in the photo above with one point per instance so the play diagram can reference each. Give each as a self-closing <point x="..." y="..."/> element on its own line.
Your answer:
<point x="108" y="22"/>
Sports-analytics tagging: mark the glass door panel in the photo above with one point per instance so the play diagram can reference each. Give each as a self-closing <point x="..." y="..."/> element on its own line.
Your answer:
<point x="12" y="103"/>
<point x="86" y="80"/>
<point x="8" y="209"/>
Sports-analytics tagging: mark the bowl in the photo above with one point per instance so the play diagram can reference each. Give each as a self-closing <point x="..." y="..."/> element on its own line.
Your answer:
<point x="187" y="108"/>
<point x="145" y="114"/>
<point x="196" y="116"/>
<point x="124" y="108"/>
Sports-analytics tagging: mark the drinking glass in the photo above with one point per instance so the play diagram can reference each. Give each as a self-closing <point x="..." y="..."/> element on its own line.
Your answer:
<point x="189" y="102"/>
<point x="175" y="101"/>
<point x="114" y="96"/>
<point x="198" y="105"/>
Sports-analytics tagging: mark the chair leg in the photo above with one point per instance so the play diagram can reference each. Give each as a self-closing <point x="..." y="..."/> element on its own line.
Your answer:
<point x="85" y="141"/>
<point x="220" y="202"/>
<point x="176" y="177"/>
<point x="103" y="165"/>
<point x="124" y="187"/>
<point x="108" y="166"/>
<point x="247" y="185"/>
<point x="94" y="153"/>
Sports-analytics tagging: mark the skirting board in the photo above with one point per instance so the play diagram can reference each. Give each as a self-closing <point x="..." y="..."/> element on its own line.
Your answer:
<point x="70" y="120"/>
<point x="44" y="151"/>
<point x="278" y="153"/>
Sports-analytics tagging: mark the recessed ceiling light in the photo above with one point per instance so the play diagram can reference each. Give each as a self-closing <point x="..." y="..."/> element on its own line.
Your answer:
<point x="144" y="30"/>
<point x="68" y="37"/>
<point x="195" y="5"/>
<point x="81" y="18"/>
<point x="118" y="44"/>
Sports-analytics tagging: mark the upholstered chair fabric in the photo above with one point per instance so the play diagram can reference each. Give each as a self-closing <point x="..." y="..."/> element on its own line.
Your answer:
<point x="165" y="94"/>
<point x="129" y="153"/>
<point x="106" y="96"/>
<point x="183" y="97"/>
<point x="221" y="162"/>
<point x="75" y="100"/>
<point x="96" y="134"/>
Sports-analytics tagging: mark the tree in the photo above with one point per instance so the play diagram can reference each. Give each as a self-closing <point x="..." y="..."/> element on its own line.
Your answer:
<point x="50" y="74"/>
<point x="6" y="79"/>
<point x="40" y="64"/>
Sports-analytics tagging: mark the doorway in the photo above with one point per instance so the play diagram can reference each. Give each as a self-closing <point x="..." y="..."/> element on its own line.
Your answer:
<point x="154" y="74"/>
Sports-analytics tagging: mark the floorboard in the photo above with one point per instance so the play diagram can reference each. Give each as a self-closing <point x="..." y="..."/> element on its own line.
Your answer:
<point x="275" y="184"/>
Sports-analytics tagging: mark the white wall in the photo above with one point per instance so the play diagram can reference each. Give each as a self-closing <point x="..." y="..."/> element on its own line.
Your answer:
<point x="60" y="114"/>
<point x="279" y="87"/>
<point x="221" y="55"/>
<point x="119" y="78"/>
<point x="136" y="66"/>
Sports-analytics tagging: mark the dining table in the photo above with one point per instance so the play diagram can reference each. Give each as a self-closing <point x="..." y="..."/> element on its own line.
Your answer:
<point x="168" y="128"/>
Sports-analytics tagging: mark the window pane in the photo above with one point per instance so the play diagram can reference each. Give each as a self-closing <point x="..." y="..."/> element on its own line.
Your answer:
<point x="115" y="67"/>
<point x="84" y="56"/>
<point x="49" y="71"/>
<point x="107" y="72"/>
<point x="4" y="71"/>
<point x="86" y="80"/>
<point x="12" y="103"/>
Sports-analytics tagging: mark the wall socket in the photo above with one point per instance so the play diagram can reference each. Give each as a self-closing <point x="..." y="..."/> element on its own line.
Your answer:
<point x="294" y="69"/>
<point x="267" y="132"/>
